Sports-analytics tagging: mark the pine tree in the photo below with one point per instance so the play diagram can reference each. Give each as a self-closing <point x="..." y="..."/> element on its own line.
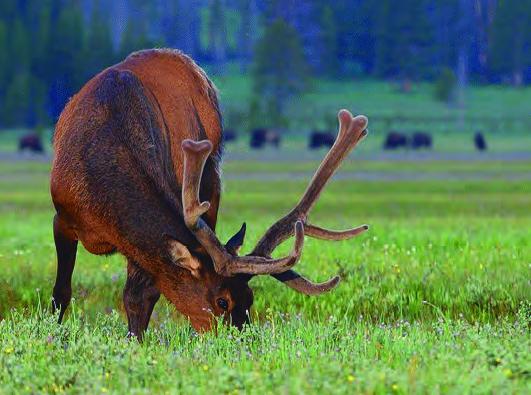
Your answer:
<point x="188" y="26"/>
<point x="19" y="47"/>
<point x="99" y="51"/>
<point x="329" y="62"/>
<point x="180" y="23"/>
<point x="17" y="100"/>
<point x="4" y="60"/>
<point x="280" y="70"/>
<point x="246" y="32"/>
<point x="128" y="42"/>
<point x="445" y="85"/>
<point x="8" y="11"/>
<point x="169" y="23"/>
<point x="40" y="78"/>
<point x="41" y="40"/>
<point x="511" y="35"/>
<point x="353" y="23"/>
<point x="17" y="95"/>
<point x="446" y="38"/>
<point x="134" y="39"/>
<point x="217" y="33"/>
<point x="384" y="42"/>
<point x="66" y="57"/>
<point x="403" y="40"/>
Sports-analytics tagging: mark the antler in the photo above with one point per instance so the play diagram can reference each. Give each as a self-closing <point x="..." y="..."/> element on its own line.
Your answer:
<point x="195" y="156"/>
<point x="351" y="131"/>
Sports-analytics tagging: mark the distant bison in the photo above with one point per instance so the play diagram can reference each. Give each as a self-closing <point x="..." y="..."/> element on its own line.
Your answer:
<point x="229" y="135"/>
<point x="30" y="142"/>
<point x="321" y="139"/>
<point x="395" y="140"/>
<point x="480" y="142"/>
<point x="261" y="137"/>
<point x="421" y="140"/>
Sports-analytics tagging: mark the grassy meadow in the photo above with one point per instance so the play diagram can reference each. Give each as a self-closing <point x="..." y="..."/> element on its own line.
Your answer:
<point x="435" y="298"/>
<point x="500" y="113"/>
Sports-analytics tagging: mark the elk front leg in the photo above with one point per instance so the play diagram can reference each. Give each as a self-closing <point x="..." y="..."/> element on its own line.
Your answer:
<point x="140" y="297"/>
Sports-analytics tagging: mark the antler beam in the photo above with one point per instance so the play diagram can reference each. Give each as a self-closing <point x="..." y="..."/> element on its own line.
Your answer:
<point x="351" y="131"/>
<point x="195" y="156"/>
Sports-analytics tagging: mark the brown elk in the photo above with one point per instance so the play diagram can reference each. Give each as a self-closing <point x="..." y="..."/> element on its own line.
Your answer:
<point x="136" y="171"/>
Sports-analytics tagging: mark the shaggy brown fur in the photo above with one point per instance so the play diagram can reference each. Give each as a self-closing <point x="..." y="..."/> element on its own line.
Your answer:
<point x="116" y="185"/>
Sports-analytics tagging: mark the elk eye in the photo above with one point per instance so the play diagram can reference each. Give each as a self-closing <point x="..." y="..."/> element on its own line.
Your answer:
<point x="222" y="304"/>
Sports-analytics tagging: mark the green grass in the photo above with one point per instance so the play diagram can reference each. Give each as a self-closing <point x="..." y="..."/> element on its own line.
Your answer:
<point x="294" y="143"/>
<point x="9" y="139"/>
<point x="380" y="98"/>
<point x="443" y="143"/>
<point x="387" y="108"/>
<point x="458" y="167"/>
<point x="434" y="298"/>
<point x="282" y="355"/>
<point x="500" y="112"/>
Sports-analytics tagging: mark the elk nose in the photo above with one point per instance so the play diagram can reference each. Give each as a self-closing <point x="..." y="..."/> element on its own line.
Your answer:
<point x="240" y="318"/>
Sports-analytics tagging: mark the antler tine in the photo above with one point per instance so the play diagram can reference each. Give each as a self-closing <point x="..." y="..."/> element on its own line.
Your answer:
<point x="295" y="281"/>
<point x="351" y="131"/>
<point x="251" y="264"/>
<point x="195" y="156"/>
<point x="327" y="234"/>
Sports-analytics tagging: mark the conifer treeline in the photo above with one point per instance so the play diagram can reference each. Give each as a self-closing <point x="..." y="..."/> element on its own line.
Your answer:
<point x="48" y="48"/>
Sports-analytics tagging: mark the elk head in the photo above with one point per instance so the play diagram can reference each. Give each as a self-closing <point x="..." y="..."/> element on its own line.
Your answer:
<point x="228" y="273"/>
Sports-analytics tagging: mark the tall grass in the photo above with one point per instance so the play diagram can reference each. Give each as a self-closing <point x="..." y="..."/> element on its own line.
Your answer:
<point x="434" y="298"/>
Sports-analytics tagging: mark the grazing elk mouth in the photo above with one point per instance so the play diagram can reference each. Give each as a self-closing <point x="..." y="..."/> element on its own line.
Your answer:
<point x="225" y="261"/>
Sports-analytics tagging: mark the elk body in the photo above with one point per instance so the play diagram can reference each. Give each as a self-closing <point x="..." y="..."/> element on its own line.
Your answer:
<point x="321" y="139"/>
<point x="136" y="171"/>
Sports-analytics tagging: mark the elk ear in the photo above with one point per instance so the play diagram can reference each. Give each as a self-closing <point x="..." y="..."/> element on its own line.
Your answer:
<point x="182" y="257"/>
<point x="234" y="244"/>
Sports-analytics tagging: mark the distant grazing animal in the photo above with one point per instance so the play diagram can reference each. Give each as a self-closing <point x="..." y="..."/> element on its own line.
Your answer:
<point x="480" y="142"/>
<point x="321" y="139"/>
<point x="30" y="142"/>
<point x="421" y="140"/>
<point x="136" y="171"/>
<point x="395" y="140"/>
<point x="261" y="137"/>
<point x="229" y="135"/>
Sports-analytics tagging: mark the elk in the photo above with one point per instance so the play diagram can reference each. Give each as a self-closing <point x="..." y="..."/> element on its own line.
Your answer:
<point x="395" y="140"/>
<point x="32" y="143"/>
<point x="261" y="137"/>
<point x="421" y="140"/>
<point x="136" y="171"/>
<point x="480" y="142"/>
<point x="320" y="139"/>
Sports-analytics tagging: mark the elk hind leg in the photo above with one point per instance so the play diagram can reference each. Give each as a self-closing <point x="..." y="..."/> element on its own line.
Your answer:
<point x="66" y="248"/>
